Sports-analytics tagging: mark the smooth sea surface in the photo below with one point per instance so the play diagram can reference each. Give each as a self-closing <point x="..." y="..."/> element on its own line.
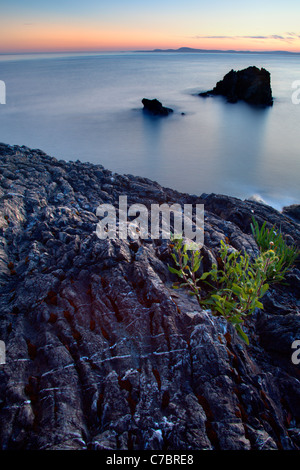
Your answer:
<point x="88" y="107"/>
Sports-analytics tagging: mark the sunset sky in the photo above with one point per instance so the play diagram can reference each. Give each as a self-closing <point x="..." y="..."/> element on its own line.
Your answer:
<point x="106" y="25"/>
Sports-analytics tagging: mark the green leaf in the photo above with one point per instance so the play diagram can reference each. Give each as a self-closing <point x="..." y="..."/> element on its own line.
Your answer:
<point x="236" y="319"/>
<point x="264" y="289"/>
<point x="236" y="289"/>
<point x="174" y="258"/>
<point x="175" y="271"/>
<point x="196" y="265"/>
<point x="258" y="304"/>
<point x="205" y="275"/>
<point x="184" y="260"/>
<point x="242" y="334"/>
<point x="216" y="297"/>
<point x="219" y="309"/>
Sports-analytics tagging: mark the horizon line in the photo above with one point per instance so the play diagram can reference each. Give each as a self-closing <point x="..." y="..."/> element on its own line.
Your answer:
<point x="182" y="49"/>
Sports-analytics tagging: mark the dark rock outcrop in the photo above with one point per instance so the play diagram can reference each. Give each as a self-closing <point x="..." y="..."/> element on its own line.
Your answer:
<point x="155" y="107"/>
<point x="102" y="353"/>
<point x="292" y="211"/>
<point x="252" y="85"/>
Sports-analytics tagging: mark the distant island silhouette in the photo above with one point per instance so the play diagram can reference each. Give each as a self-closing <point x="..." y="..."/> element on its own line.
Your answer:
<point x="190" y="49"/>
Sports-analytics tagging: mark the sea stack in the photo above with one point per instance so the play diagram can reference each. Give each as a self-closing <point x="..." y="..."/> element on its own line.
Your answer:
<point x="252" y="85"/>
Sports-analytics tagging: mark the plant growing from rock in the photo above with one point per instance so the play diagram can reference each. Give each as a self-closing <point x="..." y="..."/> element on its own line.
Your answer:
<point x="235" y="286"/>
<point x="272" y="239"/>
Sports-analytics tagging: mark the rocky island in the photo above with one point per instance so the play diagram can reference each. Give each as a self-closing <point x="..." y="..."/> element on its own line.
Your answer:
<point x="252" y="85"/>
<point x="155" y="107"/>
<point x="102" y="353"/>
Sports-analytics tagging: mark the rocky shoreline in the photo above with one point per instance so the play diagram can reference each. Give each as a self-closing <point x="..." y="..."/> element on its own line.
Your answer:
<point x="102" y="353"/>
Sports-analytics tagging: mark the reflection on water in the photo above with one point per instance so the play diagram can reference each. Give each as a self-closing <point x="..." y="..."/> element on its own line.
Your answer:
<point x="88" y="107"/>
<point x="242" y="131"/>
<point x="152" y="137"/>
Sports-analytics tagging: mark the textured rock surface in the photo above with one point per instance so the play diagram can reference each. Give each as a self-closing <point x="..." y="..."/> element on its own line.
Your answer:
<point x="292" y="211"/>
<point x="102" y="353"/>
<point x="252" y="85"/>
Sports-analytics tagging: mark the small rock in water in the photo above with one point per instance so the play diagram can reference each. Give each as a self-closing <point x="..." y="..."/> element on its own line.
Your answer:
<point x="155" y="107"/>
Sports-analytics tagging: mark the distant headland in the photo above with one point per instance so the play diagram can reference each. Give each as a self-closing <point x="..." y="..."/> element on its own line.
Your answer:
<point x="191" y="49"/>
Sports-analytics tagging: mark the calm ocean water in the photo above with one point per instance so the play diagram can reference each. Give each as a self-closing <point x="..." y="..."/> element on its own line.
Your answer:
<point x="88" y="107"/>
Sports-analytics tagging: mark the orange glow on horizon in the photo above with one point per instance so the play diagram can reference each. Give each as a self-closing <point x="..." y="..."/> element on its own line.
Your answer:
<point x="55" y="38"/>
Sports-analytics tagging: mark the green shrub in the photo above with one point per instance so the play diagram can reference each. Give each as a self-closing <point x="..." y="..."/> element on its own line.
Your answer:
<point x="234" y="287"/>
<point x="272" y="239"/>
